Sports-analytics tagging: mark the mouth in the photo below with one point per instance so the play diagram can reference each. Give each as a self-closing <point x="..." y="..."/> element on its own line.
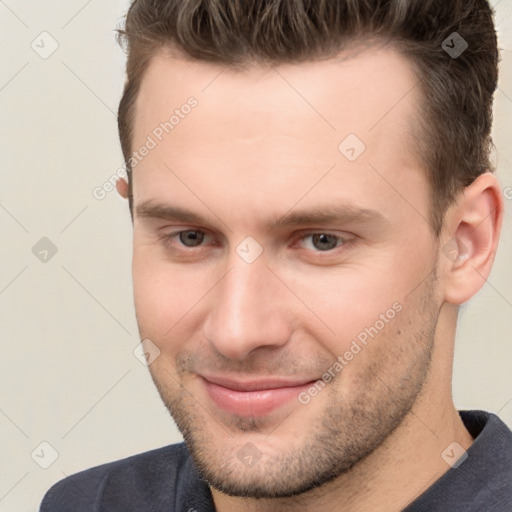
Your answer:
<point x="254" y="398"/>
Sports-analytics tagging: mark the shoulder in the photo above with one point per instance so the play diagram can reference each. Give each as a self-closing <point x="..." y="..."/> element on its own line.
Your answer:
<point x="127" y="481"/>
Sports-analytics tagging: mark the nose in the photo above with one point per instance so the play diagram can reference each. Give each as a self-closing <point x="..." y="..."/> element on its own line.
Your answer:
<point x="248" y="311"/>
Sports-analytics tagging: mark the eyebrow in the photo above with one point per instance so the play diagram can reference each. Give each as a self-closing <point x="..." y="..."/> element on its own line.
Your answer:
<point x="150" y="209"/>
<point x="328" y="214"/>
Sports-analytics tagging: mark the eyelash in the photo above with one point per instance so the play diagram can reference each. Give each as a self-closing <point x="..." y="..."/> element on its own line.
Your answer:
<point x="343" y="242"/>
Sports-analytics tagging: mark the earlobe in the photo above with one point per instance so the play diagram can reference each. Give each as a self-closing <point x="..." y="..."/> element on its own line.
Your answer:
<point x="475" y="222"/>
<point x="122" y="188"/>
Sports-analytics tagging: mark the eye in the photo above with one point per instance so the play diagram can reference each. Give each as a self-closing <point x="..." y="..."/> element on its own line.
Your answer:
<point x="322" y="241"/>
<point x="191" y="237"/>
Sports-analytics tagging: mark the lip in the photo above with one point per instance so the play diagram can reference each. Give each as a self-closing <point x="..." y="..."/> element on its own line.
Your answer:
<point x="255" y="398"/>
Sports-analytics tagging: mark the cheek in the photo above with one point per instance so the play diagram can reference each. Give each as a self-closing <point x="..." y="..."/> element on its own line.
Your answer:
<point x="164" y="294"/>
<point x="356" y="303"/>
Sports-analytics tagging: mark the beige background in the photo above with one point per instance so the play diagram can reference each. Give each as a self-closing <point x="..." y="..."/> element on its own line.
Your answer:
<point x="68" y="374"/>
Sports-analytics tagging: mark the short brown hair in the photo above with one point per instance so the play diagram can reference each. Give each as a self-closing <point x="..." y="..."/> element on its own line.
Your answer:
<point x="454" y="119"/>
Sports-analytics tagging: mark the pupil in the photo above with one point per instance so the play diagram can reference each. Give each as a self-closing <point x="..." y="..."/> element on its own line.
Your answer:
<point x="325" y="242"/>
<point x="191" y="238"/>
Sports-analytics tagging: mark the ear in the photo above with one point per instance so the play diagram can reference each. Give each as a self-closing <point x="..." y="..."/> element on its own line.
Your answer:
<point x="470" y="238"/>
<point x="122" y="187"/>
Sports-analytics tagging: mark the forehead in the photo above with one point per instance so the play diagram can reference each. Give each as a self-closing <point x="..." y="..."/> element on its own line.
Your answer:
<point x="279" y="126"/>
<point x="355" y="90"/>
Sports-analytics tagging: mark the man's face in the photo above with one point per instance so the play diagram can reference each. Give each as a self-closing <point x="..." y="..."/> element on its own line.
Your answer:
<point x="286" y="280"/>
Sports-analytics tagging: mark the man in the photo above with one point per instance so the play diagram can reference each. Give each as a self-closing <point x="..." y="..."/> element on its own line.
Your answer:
<point x="312" y="201"/>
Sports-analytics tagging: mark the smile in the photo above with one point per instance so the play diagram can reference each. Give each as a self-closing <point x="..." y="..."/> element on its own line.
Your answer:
<point x="254" y="398"/>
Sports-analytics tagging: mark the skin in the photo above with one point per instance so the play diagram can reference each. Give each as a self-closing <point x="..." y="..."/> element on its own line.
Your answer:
<point x="261" y="144"/>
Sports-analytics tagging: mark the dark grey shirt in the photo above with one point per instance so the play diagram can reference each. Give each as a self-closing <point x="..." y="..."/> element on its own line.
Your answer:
<point x="166" y="480"/>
